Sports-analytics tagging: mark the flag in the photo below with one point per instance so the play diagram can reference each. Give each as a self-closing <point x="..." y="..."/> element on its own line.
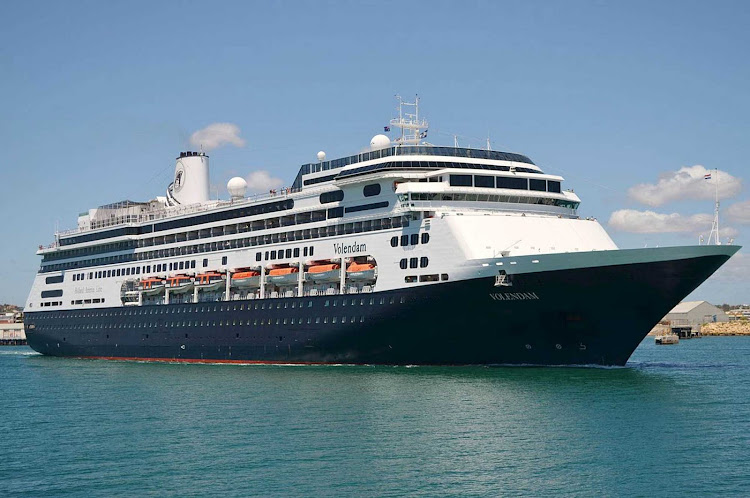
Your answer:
<point x="423" y="134"/>
<point x="707" y="176"/>
<point x="386" y="128"/>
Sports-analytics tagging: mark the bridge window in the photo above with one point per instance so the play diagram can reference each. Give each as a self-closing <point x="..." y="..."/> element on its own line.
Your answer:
<point x="371" y="190"/>
<point x="460" y="181"/>
<point x="538" y="185"/>
<point x="512" y="182"/>
<point x="553" y="186"/>
<point x="484" y="181"/>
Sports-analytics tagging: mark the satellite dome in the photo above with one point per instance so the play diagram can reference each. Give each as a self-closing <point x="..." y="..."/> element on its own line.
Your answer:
<point x="321" y="156"/>
<point x="237" y="187"/>
<point x="380" y="142"/>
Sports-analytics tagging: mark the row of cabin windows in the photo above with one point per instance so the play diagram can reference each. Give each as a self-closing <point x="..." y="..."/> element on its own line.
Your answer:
<point x="410" y="279"/>
<point x="213" y="323"/>
<point x="428" y="165"/>
<point x="412" y="239"/>
<point x="242" y="212"/>
<point x="516" y="199"/>
<point x="207" y="308"/>
<point x="95" y="300"/>
<point x="510" y="182"/>
<point x="45" y="304"/>
<point x="204" y="233"/>
<point x="412" y="262"/>
<point x="284" y="253"/>
<point x="310" y="233"/>
<point x="429" y="150"/>
<point x="220" y="231"/>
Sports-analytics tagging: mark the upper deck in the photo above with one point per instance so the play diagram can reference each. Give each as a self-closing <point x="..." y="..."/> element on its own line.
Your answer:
<point x="415" y="150"/>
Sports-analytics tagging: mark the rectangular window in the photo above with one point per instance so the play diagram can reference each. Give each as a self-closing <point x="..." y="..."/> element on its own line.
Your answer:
<point x="429" y="278"/>
<point x="484" y="181"/>
<point x="512" y="182"/>
<point x="553" y="186"/>
<point x="223" y="260"/>
<point x="296" y="252"/>
<point x="410" y="279"/>
<point x="404" y="240"/>
<point x="423" y="262"/>
<point x="311" y="250"/>
<point x="258" y="256"/>
<point x="460" y="180"/>
<point x="414" y="239"/>
<point x="413" y="262"/>
<point x="538" y="185"/>
<point x="273" y="254"/>
<point x="288" y="253"/>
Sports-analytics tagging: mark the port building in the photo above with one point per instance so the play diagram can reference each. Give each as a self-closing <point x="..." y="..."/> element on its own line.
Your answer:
<point x="694" y="314"/>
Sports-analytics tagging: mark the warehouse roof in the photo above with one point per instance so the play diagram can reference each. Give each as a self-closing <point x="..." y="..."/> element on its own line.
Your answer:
<point x="687" y="306"/>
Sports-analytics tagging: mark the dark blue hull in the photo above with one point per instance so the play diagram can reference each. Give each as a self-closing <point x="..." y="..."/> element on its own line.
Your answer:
<point x="580" y="316"/>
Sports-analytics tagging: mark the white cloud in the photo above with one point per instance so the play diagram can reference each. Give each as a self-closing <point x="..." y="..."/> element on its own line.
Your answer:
<point x="736" y="270"/>
<point x="740" y="212"/>
<point x="686" y="183"/>
<point x="261" y="181"/>
<point x="217" y="134"/>
<point x="630" y="220"/>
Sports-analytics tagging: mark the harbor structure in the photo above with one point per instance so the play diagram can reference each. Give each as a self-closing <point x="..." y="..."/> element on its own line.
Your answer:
<point x="694" y="314"/>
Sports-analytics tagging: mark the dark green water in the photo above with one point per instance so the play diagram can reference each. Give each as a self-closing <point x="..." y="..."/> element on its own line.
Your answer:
<point x="675" y="422"/>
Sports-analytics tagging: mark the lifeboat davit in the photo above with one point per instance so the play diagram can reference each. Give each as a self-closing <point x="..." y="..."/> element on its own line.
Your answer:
<point x="210" y="281"/>
<point x="246" y="279"/>
<point x="180" y="284"/>
<point x="151" y="286"/>
<point x="284" y="276"/>
<point x="330" y="272"/>
<point x="361" y="272"/>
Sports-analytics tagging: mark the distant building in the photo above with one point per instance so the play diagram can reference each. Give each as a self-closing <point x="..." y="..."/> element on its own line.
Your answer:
<point x="11" y="329"/>
<point x="694" y="314"/>
<point x="743" y="312"/>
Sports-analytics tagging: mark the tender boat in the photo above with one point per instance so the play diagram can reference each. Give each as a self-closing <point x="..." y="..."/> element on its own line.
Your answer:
<point x="249" y="279"/>
<point x="361" y="272"/>
<point x="151" y="286"/>
<point x="180" y="284"/>
<point x="210" y="281"/>
<point x="320" y="273"/>
<point x="286" y="276"/>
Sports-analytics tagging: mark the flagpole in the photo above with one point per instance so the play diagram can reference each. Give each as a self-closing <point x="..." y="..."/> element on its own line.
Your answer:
<point x="718" y="242"/>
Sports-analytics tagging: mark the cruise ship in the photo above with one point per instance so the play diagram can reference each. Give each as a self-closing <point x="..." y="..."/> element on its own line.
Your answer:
<point x="406" y="254"/>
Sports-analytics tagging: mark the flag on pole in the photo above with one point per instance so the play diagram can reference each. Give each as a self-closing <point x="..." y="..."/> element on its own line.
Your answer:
<point x="707" y="176"/>
<point x="386" y="128"/>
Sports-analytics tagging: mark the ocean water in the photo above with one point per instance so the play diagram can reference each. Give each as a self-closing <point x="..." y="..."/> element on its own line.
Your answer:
<point x="674" y="422"/>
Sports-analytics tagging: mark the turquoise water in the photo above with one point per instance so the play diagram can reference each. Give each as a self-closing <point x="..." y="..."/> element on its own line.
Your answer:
<point x="675" y="422"/>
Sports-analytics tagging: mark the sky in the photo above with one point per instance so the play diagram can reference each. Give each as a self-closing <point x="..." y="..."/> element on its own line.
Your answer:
<point x="632" y="102"/>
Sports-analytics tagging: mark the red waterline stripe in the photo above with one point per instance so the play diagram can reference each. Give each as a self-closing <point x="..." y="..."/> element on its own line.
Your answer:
<point x="200" y="360"/>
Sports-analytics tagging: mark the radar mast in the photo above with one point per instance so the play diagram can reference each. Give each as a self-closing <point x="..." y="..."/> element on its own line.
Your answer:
<point x="409" y="122"/>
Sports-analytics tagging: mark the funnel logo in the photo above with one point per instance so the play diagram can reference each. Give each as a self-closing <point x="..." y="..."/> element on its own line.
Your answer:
<point x="179" y="178"/>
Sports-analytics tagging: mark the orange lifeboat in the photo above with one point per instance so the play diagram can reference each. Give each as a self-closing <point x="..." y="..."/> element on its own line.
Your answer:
<point x="180" y="283"/>
<point x="210" y="281"/>
<point x="151" y="286"/>
<point x="284" y="276"/>
<point x="246" y="279"/>
<point x="361" y="272"/>
<point x="330" y="272"/>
